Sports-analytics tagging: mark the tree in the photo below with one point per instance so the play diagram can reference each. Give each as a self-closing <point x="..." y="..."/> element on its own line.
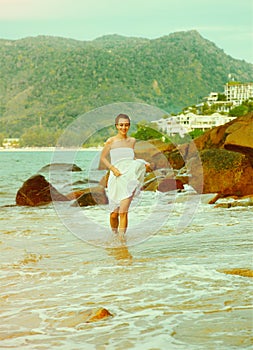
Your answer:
<point x="238" y="111"/>
<point x="145" y="132"/>
<point x="1" y="139"/>
<point x="222" y="97"/>
<point x="38" y="136"/>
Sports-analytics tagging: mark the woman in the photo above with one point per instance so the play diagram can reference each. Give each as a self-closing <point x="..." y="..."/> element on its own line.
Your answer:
<point x="126" y="174"/>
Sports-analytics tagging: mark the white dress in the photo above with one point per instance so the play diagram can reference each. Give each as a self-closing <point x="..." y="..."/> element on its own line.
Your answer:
<point x="131" y="178"/>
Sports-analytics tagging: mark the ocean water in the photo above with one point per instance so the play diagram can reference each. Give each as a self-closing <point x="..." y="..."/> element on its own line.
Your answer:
<point x="165" y="288"/>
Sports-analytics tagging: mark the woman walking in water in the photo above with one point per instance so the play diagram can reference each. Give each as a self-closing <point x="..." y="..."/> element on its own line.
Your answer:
<point x="126" y="174"/>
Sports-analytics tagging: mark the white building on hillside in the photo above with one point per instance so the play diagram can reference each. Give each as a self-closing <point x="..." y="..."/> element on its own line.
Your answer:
<point x="11" y="143"/>
<point x="237" y="92"/>
<point x="185" y="123"/>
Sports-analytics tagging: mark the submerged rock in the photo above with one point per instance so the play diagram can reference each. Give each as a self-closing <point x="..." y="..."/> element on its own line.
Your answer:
<point x="239" y="272"/>
<point x="76" y="318"/>
<point x="38" y="191"/>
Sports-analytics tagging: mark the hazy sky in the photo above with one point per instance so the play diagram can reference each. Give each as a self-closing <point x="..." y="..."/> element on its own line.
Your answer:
<point x="227" y="23"/>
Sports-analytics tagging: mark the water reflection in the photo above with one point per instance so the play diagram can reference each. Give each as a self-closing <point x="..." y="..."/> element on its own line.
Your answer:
<point x="121" y="254"/>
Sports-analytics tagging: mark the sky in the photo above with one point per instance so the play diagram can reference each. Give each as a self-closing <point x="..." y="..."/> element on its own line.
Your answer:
<point x="227" y="23"/>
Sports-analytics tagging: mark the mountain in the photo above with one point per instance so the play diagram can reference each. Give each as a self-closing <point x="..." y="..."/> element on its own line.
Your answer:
<point x="51" y="80"/>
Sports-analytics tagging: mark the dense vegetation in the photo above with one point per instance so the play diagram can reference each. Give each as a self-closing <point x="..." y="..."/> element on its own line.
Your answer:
<point x="46" y="82"/>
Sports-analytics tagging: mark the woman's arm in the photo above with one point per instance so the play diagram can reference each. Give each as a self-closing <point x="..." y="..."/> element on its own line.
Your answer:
<point x="104" y="153"/>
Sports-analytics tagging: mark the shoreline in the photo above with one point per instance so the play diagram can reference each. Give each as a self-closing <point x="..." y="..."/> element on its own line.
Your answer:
<point x="48" y="149"/>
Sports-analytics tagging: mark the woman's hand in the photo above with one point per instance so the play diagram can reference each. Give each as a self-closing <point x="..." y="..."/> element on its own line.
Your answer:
<point x="115" y="171"/>
<point x="148" y="168"/>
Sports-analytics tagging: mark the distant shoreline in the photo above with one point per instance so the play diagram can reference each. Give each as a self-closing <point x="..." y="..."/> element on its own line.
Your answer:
<point x="47" y="149"/>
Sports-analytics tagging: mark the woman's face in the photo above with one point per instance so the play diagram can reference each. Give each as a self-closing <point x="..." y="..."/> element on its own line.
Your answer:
<point x="123" y="126"/>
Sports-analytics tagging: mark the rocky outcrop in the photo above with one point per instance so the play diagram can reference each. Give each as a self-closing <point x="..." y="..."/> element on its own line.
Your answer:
<point x="91" y="196"/>
<point x="154" y="152"/>
<point x="37" y="191"/>
<point x="224" y="172"/>
<point x="240" y="136"/>
<point x="221" y="160"/>
<point x="234" y="136"/>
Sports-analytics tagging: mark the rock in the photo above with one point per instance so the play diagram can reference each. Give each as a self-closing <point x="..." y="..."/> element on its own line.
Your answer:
<point x="75" y="194"/>
<point x="226" y="154"/>
<point x="239" y="272"/>
<point x="240" y="136"/>
<point x="162" y="180"/>
<point x="60" y="167"/>
<point x="151" y="180"/>
<point x="97" y="315"/>
<point x="76" y="318"/>
<point x="224" y="172"/>
<point x="167" y="185"/>
<point x="234" y="136"/>
<point x="224" y="205"/>
<point x="91" y="196"/>
<point x="175" y="159"/>
<point x="37" y="191"/>
<point x="153" y="152"/>
<point x="246" y="201"/>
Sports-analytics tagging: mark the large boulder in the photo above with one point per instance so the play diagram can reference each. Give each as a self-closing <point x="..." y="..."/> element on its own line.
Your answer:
<point x="154" y="152"/>
<point x="91" y="196"/>
<point x="37" y="191"/>
<point x="240" y="136"/>
<point x="224" y="172"/>
<point x="220" y="161"/>
<point x="237" y="135"/>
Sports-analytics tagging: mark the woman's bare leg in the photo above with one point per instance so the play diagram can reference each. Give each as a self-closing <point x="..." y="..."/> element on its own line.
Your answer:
<point x="123" y="215"/>
<point x="114" y="220"/>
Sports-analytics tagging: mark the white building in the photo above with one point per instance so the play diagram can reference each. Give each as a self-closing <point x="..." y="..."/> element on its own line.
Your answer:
<point x="237" y="92"/>
<point x="184" y="123"/>
<point x="11" y="142"/>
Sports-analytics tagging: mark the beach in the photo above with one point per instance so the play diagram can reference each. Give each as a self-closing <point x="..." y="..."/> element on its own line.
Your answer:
<point x="167" y="288"/>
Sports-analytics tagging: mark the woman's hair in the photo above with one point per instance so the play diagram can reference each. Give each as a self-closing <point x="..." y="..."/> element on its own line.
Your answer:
<point x="123" y="116"/>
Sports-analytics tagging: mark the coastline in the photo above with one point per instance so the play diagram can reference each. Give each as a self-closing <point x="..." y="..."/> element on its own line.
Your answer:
<point x="47" y="149"/>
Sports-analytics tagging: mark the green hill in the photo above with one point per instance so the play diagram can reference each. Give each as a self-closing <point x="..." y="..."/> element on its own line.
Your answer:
<point x="49" y="81"/>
